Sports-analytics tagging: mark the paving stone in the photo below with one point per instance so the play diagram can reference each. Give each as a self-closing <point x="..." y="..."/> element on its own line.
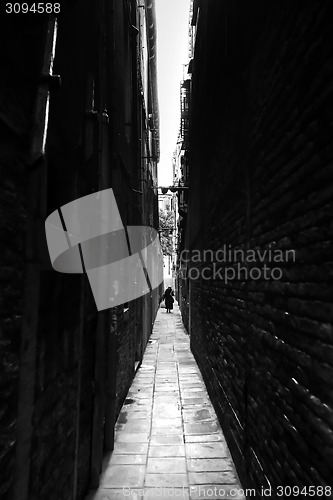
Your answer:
<point x="191" y="386"/>
<point x="198" y="415"/>
<point x="116" y="494"/>
<point x="130" y="448"/>
<point x="195" y="402"/>
<point x="166" y="480"/>
<point x="167" y="451"/>
<point x="167" y="465"/>
<point x="190" y="389"/>
<point x="161" y="382"/>
<point x="165" y="493"/>
<point x="131" y="437"/>
<point x="168" y="412"/>
<point x="206" y="450"/>
<point x="168" y="391"/>
<point x="140" y="395"/>
<point x="142" y="378"/>
<point x="166" y="438"/>
<point x="119" y="475"/>
<point x="163" y="378"/>
<point x="143" y="401"/>
<point x="209" y="464"/>
<point x="142" y="386"/>
<point x="218" y="477"/>
<point x="171" y="400"/>
<point x="167" y="422"/>
<point x="166" y="388"/>
<point x="138" y="414"/>
<point x="191" y="379"/>
<point x="201" y="428"/>
<point x="127" y="459"/>
<point x="163" y="431"/>
<point x="204" y="438"/>
<point x="187" y="394"/>
<point x="141" y="425"/>
<point x="139" y="405"/>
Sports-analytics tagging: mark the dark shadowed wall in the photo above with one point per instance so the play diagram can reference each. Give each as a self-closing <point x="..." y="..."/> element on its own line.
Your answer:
<point x="261" y="177"/>
<point x="66" y="368"/>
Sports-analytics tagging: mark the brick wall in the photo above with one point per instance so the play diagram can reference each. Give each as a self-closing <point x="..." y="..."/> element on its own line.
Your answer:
<point x="16" y="103"/>
<point x="12" y="217"/>
<point x="65" y="368"/>
<point x="125" y="353"/>
<point x="261" y="177"/>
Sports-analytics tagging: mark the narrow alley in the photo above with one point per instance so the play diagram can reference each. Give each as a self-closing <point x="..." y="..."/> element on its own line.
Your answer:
<point x="168" y="441"/>
<point x="166" y="150"/>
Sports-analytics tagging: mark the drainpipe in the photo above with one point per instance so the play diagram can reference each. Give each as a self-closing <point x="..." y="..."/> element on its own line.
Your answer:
<point x="47" y="82"/>
<point x="152" y="50"/>
<point x="153" y="105"/>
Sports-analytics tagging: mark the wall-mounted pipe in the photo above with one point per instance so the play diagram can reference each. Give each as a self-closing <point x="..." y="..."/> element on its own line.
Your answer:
<point x="152" y="49"/>
<point x="47" y="82"/>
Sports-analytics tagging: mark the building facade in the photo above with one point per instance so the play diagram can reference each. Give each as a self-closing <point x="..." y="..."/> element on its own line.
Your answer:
<point x="167" y="202"/>
<point x="182" y="173"/>
<point x="260" y="177"/>
<point x="78" y="114"/>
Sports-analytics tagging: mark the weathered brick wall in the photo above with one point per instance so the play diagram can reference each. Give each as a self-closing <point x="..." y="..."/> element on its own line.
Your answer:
<point x="56" y="387"/>
<point x="12" y="230"/>
<point x="65" y="368"/>
<point x="85" y="396"/>
<point x="16" y="103"/>
<point x="61" y="435"/>
<point x="261" y="177"/>
<point x="183" y="299"/>
<point x="125" y="353"/>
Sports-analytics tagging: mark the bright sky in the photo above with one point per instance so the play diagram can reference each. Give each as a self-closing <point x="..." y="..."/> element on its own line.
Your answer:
<point x="172" y="52"/>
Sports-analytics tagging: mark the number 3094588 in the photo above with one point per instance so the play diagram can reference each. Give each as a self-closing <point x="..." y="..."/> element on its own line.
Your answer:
<point x="35" y="8"/>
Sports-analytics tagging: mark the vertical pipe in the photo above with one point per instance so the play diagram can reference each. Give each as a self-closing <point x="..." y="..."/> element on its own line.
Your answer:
<point x="40" y="122"/>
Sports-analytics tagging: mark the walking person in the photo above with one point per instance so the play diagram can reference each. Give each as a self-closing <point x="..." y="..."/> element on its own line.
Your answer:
<point x="169" y="300"/>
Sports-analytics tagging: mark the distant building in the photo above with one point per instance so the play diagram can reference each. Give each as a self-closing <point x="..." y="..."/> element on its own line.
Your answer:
<point x="168" y="204"/>
<point x="182" y="168"/>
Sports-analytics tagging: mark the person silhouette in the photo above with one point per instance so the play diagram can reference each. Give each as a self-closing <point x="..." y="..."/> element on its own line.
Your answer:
<point x="169" y="300"/>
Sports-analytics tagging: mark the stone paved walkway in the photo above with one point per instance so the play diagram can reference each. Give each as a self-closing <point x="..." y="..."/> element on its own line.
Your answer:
<point x="168" y="441"/>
